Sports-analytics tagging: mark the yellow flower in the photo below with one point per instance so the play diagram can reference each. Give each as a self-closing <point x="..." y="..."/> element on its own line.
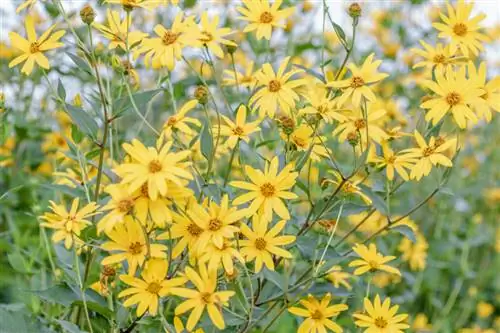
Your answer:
<point x="321" y="105"/>
<point x="381" y="318"/>
<point x="371" y="260"/>
<point x="167" y="48"/>
<point x="357" y="126"/>
<point x="462" y="29"/>
<point x="484" y="310"/>
<point x="490" y="99"/>
<point x="318" y="314"/>
<point x="349" y="187"/>
<point x="147" y="290"/>
<point x="358" y="85"/>
<point x="394" y="162"/>
<point x="240" y="129"/>
<point x="338" y="277"/>
<point x="303" y="137"/>
<point x="439" y="58"/>
<point x="188" y="232"/>
<point x="130" y="242"/>
<point x="244" y="79"/>
<point x="454" y="94"/>
<point x="33" y="47"/>
<point x="429" y="154"/>
<point x="276" y="89"/>
<point x="204" y="297"/>
<point x="179" y="326"/>
<point x="154" y="167"/>
<point x="116" y="31"/>
<point x="414" y="253"/>
<point x="421" y="323"/>
<point x="121" y="204"/>
<point x="263" y="17"/>
<point x="211" y="37"/>
<point x="267" y="190"/>
<point x="221" y="257"/>
<point x="68" y="224"/>
<point x="261" y="244"/>
<point x="179" y="121"/>
<point x="129" y="5"/>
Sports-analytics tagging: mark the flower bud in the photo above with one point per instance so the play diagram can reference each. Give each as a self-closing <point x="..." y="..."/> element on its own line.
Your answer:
<point x="353" y="138"/>
<point x="354" y="10"/>
<point x="201" y="94"/>
<point x="87" y="14"/>
<point x="231" y="48"/>
<point x="287" y="124"/>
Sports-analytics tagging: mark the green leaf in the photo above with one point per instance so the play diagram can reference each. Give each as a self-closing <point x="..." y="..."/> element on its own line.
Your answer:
<point x="141" y="99"/>
<point x="83" y="120"/>
<point x="80" y="63"/>
<point x="69" y="327"/>
<point x="17" y="261"/>
<point x="102" y="310"/>
<point x="59" y="294"/>
<point x="311" y="72"/>
<point x="340" y="33"/>
<point x="206" y="142"/>
<point x="76" y="134"/>
<point x="377" y="201"/>
<point x="60" y="90"/>
<point x="405" y="231"/>
<point x="94" y="153"/>
<point x="276" y="279"/>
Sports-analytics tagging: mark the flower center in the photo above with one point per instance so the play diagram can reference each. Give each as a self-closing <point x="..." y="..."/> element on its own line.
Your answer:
<point x="129" y="4"/>
<point x="357" y="81"/>
<point x="391" y="159"/>
<point x="194" y="230"/>
<point x="266" y="17"/>
<point x="460" y="29"/>
<point x="453" y="98"/>
<point x="34" y="47"/>
<point x="154" y="166"/>
<point x="171" y="121"/>
<point x="359" y="124"/>
<point x="125" y="205"/>
<point x="380" y="322"/>
<point x="214" y="224"/>
<point x="144" y="190"/>
<point x="154" y="287"/>
<point x="238" y="130"/>
<point x="260" y="243"/>
<point x="428" y="151"/>
<point x="169" y="37"/>
<point x="206" y="37"/>
<point x="135" y="248"/>
<point x="348" y="187"/>
<point x="317" y="315"/>
<point x="206" y="297"/>
<point x="274" y="86"/>
<point x="267" y="190"/>
<point x="439" y="59"/>
<point x="373" y="264"/>
<point x="300" y="142"/>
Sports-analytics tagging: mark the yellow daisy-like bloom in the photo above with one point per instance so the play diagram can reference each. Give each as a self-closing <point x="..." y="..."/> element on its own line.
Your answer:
<point x="263" y="17"/>
<point x="121" y="204"/>
<point x="303" y="137"/>
<point x="439" y="58"/>
<point x="129" y="5"/>
<point x="318" y="314"/>
<point x="358" y="85"/>
<point x="239" y="129"/>
<point x="267" y="190"/>
<point x="204" y="297"/>
<point x="339" y="277"/>
<point x="147" y="290"/>
<point x="188" y="232"/>
<point x="276" y="89"/>
<point x="462" y="29"/>
<point x="244" y="79"/>
<point x="429" y="154"/>
<point x="154" y="167"/>
<point x="68" y="225"/>
<point x="116" y="31"/>
<point x="261" y="244"/>
<point x="381" y="317"/>
<point x="350" y="187"/>
<point x="221" y="257"/>
<point x="490" y="99"/>
<point x="211" y="36"/>
<point x="371" y="260"/>
<point x="215" y="221"/>
<point x="394" y="162"/>
<point x="166" y="49"/>
<point x="129" y="241"/>
<point x="358" y="127"/>
<point x="414" y="253"/>
<point x="321" y="105"/>
<point x="455" y="94"/>
<point x="32" y="48"/>
<point x="179" y="121"/>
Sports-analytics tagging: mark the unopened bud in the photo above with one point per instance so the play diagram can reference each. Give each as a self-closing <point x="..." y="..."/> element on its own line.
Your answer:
<point x="307" y="6"/>
<point x="353" y="138"/>
<point x="287" y="124"/>
<point x="231" y="48"/>
<point x="87" y="14"/>
<point x="354" y="10"/>
<point x="201" y="94"/>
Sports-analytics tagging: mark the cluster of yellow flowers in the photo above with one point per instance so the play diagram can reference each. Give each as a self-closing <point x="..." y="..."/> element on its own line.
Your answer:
<point x="184" y="217"/>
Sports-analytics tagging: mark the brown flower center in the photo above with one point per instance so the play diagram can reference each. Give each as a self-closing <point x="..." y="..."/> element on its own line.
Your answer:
<point x="359" y="124"/>
<point x="125" y="205"/>
<point x="373" y="265"/>
<point x="428" y="151"/>
<point x="135" y="248"/>
<point x="108" y="270"/>
<point x="267" y="190"/>
<point x="206" y="297"/>
<point x="439" y="59"/>
<point x="460" y="29"/>
<point x="144" y="190"/>
<point x="266" y="17"/>
<point x="194" y="229"/>
<point x="317" y="315"/>
<point x="214" y="224"/>
<point x="453" y="98"/>
<point x="391" y="159"/>
<point x="380" y="322"/>
<point x="260" y="243"/>
<point x="238" y="130"/>
<point x="155" y="166"/>
<point x="206" y="37"/>
<point x="171" y="121"/>
<point x="357" y="81"/>
<point x="274" y="86"/>
<point x="169" y="37"/>
<point x="154" y="287"/>
<point x="34" y="47"/>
